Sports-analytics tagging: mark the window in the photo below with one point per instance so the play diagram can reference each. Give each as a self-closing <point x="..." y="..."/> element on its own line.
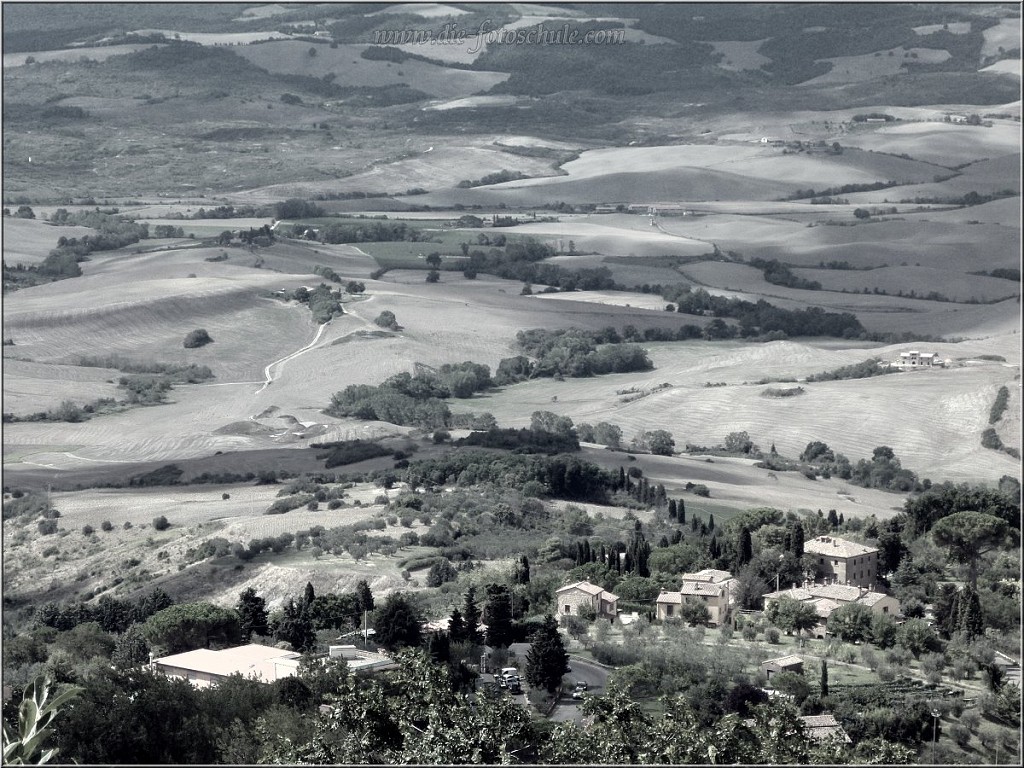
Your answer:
<point x="835" y="562"/>
<point x="885" y="609"/>
<point x="669" y="609"/>
<point x="821" y="561"/>
<point x="567" y="608"/>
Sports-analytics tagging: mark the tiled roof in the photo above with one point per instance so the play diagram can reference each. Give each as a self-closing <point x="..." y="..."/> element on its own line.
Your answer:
<point x="583" y="586"/>
<point x="713" y="575"/>
<point x="830" y="545"/>
<point x="842" y="592"/>
<point x="590" y="589"/>
<point x="701" y="588"/>
<point x="824" y="727"/>
<point x="784" y="661"/>
<point x="870" y="598"/>
<point x="670" y="598"/>
<point x="823" y="606"/>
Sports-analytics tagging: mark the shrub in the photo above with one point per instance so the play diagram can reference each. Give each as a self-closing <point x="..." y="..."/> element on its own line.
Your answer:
<point x="771" y="635"/>
<point x="387" y="319"/>
<point x="197" y="338"/>
<point x="107" y="526"/>
<point x="47" y="527"/>
<point x="160" y="523"/>
<point x="87" y="530"/>
<point x="225" y="496"/>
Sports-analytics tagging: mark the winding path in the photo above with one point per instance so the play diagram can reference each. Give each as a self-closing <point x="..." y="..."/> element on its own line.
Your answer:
<point x="268" y="371"/>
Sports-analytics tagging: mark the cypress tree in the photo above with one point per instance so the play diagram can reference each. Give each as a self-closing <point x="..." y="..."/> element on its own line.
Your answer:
<point x="672" y="509"/>
<point x="711" y="522"/>
<point x="677" y="536"/>
<point x="456" y="627"/>
<point x="797" y="545"/>
<point x="824" y="678"/>
<point x="681" y="510"/>
<point x="471" y="617"/>
<point x="746" y="547"/>
<point x="498" y="616"/>
<point x="969" y="617"/>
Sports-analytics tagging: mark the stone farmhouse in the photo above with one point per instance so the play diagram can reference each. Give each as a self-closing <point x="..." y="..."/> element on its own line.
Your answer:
<point x="570" y="598"/>
<point x="842" y="561"/>
<point x="827" y="598"/>
<point x="711" y="587"/>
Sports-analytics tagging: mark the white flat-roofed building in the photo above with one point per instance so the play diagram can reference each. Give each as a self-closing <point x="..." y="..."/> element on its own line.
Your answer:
<point x="203" y="667"/>
<point x="265" y="663"/>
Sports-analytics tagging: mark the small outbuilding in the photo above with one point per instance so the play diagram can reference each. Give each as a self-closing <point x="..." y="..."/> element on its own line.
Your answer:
<point x="782" y="664"/>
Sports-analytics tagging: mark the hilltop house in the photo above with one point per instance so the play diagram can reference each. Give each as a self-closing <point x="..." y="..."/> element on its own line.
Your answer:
<point x="572" y="597"/>
<point x="843" y="561"/>
<point x="711" y="587"/>
<point x="826" y="598"/>
<point x="916" y="359"/>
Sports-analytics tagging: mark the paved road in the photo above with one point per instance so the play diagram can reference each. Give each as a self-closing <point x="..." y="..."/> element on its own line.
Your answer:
<point x="596" y="679"/>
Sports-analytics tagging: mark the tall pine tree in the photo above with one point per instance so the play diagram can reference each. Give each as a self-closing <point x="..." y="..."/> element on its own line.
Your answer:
<point x="546" y="660"/>
<point x="498" y="616"/>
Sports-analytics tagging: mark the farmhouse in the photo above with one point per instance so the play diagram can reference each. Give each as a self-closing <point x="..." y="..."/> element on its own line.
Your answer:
<point x="842" y="561"/>
<point x="204" y="667"/>
<point x="572" y="597"/>
<point x="827" y="598"/>
<point x="710" y="587"/>
<point x="916" y="359"/>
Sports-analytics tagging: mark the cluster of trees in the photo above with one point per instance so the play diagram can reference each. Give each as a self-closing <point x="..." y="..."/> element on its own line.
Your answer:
<point x="370" y="232"/>
<point x="525" y="440"/>
<point x="845" y="189"/>
<point x="113" y="231"/>
<point x="884" y="470"/>
<point x="572" y="352"/>
<point x="324" y="303"/>
<point x="777" y="273"/>
<point x="492" y="178"/>
<point x="868" y="368"/>
<point x="761" y="318"/>
<point x="418" y="400"/>
<point x="523" y="260"/>
<point x="407" y="399"/>
<point x="562" y="476"/>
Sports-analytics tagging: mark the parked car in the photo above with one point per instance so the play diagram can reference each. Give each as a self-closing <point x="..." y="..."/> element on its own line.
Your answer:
<point x="581" y="685"/>
<point x="579" y="693"/>
<point x="514" y="685"/>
